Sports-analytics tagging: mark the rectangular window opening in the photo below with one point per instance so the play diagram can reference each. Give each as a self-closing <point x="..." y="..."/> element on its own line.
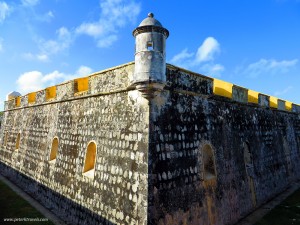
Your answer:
<point x="150" y="46"/>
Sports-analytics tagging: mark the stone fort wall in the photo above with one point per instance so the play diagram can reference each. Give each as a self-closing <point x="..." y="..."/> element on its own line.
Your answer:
<point x="217" y="150"/>
<point x="106" y="113"/>
<point x="202" y="151"/>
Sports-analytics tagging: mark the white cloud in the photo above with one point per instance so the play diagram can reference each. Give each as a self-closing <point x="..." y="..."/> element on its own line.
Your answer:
<point x="83" y="71"/>
<point x="42" y="57"/>
<point x="181" y="57"/>
<point x="202" y="60"/>
<point x="39" y="57"/>
<point x="52" y="77"/>
<point x="51" y="47"/>
<point x="36" y="80"/>
<point x="107" y="41"/>
<point x="212" y="69"/>
<point x="30" y="2"/>
<point x="284" y="91"/>
<point x="46" y="17"/>
<point x="4" y="10"/>
<point x="269" y="66"/>
<point x="62" y="42"/>
<point x="30" y="81"/>
<point x="208" y="50"/>
<point x="115" y="14"/>
<point x="91" y="29"/>
<point x="30" y="14"/>
<point x="49" y="14"/>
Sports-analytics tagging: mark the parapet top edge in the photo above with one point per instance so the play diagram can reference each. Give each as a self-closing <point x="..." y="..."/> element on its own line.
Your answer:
<point x="170" y="66"/>
<point x="90" y="75"/>
<point x="241" y="87"/>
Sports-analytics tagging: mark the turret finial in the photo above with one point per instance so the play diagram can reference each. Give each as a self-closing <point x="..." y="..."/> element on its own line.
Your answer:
<point x="150" y="14"/>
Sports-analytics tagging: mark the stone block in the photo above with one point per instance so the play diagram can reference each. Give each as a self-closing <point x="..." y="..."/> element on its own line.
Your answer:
<point x="239" y="94"/>
<point x="263" y="100"/>
<point x="295" y="108"/>
<point x="65" y="90"/>
<point x="281" y="104"/>
<point x="40" y="97"/>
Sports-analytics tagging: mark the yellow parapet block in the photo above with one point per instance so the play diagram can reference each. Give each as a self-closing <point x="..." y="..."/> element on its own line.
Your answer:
<point x="273" y="102"/>
<point x="18" y="101"/>
<point x="253" y="96"/>
<point x="50" y="93"/>
<point x="288" y="106"/>
<point x="81" y="84"/>
<point x="31" y="97"/>
<point x="222" y="88"/>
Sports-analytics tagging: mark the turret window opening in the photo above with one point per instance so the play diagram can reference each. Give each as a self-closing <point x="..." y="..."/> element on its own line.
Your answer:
<point x="18" y="141"/>
<point x="150" y="46"/>
<point x="208" y="162"/>
<point x="90" y="160"/>
<point x="54" y="150"/>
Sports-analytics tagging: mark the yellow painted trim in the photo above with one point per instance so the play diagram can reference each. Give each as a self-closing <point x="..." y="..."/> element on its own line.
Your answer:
<point x="31" y="97"/>
<point x="222" y="88"/>
<point x="81" y="84"/>
<point x="18" y="101"/>
<point x="288" y="106"/>
<point x="273" y="102"/>
<point x="50" y="93"/>
<point x="253" y="96"/>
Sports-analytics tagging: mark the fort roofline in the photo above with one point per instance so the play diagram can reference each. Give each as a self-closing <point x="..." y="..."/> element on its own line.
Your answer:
<point x="83" y="87"/>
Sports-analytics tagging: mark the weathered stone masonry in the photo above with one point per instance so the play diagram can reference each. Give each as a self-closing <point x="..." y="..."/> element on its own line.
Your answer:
<point x="118" y="124"/>
<point x="131" y="145"/>
<point x="184" y="120"/>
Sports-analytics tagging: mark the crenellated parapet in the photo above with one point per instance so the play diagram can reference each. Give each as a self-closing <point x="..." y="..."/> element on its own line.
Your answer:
<point x="188" y="82"/>
<point x="178" y="79"/>
<point x="102" y="82"/>
<point x="240" y="94"/>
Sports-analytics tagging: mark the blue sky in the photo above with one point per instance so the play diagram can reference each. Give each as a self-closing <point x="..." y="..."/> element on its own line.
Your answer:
<point x="252" y="43"/>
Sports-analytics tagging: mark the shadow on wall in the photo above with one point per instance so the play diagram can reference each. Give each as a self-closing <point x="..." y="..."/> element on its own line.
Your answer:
<point x="223" y="92"/>
<point x="66" y="209"/>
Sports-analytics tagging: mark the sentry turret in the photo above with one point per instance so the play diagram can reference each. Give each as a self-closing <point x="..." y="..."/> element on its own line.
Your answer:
<point x="12" y="95"/>
<point x="150" y="57"/>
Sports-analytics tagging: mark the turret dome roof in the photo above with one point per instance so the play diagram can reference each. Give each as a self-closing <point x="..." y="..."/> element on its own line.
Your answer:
<point x="150" y="21"/>
<point x="150" y="25"/>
